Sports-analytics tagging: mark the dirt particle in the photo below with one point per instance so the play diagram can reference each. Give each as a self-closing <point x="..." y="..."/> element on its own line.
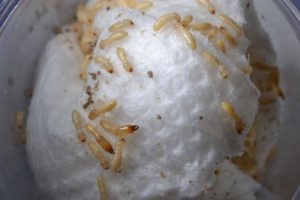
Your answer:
<point x="57" y="30"/>
<point x="28" y="93"/>
<point x="162" y="175"/>
<point x="150" y="74"/>
<point x="93" y="75"/>
<point x="90" y="97"/>
<point x="158" y="117"/>
<point x="248" y="5"/>
<point x="217" y="172"/>
<point x="10" y="81"/>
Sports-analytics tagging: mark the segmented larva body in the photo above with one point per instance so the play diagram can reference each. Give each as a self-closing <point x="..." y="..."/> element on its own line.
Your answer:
<point x="228" y="37"/>
<point x="84" y="67"/>
<point x="108" y="126"/>
<point x="187" y="20"/>
<point x="239" y="124"/>
<point x="121" y="25"/>
<point x="117" y="160"/>
<point x="102" y="188"/>
<point x="96" y="150"/>
<point x="88" y="40"/>
<point x="77" y="122"/>
<point x="247" y="70"/>
<point x="223" y="71"/>
<point x="187" y="35"/>
<point x="113" y="38"/>
<point x="211" y="32"/>
<point x="201" y="26"/>
<point x="124" y="59"/>
<point x="231" y="23"/>
<point x="126" y="130"/>
<point x="101" y="140"/>
<point x="127" y="3"/>
<point x="214" y="61"/>
<point x="207" y="4"/>
<point x="81" y="14"/>
<point x="106" y="108"/>
<point x="105" y="63"/>
<point x="211" y="58"/>
<point x="275" y="80"/>
<point x="165" y="19"/>
<point x="220" y="44"/>
<point x="144" y="5"/>
<point x="104" y="4"/>
<point x="275" y="77"/>
<point x="120" y="132"/>
<point x="20" y="120"/>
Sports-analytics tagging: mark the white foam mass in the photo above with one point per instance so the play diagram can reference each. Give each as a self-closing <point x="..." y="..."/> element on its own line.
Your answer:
<point x="171" y="158"/>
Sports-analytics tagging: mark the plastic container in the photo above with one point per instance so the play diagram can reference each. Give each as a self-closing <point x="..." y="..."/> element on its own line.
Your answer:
<point x="26" y="26"/>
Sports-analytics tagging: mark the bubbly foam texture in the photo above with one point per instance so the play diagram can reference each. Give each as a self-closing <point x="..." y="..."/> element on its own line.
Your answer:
<point x="172" y="157"/>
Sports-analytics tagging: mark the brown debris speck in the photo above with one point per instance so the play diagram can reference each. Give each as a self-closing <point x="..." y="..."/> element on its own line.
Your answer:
<point x="162" y="175"/>
<point x="90" y="97"/>
<point x="107" y="8"/>
<point x="57" y="30"/>
<point x="158" y="117"/>
<point x="150" y="74"/>
<point x="217" y="172"/>
<point x="20" y="123"/>
<point x="96" y="87"/>
<point x="94" y="76"/>
<point x="29" y="93"/>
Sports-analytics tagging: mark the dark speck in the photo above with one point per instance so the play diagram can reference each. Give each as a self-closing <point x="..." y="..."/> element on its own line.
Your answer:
<point x="38" y="14"/>
<point x="248" y="5"/>
<point x="162" y="175"/>
<point x="150" y="74"/>
<point x="29" y="93"/>
<point x="57" y="30"/>
<point x="30" y="29"/>
<point x="217" y="172"/>
<point x="107" y="8"/>
<point x="201" y="117"/>
<point x="94" y="76"/>
<point x="10" y="81"/>
<point x="158" y="117"/>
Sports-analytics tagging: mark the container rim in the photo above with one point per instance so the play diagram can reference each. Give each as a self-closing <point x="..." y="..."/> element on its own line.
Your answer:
<point x="8" y="8"/>
<point x="292" y="13"/>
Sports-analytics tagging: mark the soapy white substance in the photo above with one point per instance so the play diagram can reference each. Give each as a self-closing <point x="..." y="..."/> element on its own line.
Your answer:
<point x="184" y="87"/>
